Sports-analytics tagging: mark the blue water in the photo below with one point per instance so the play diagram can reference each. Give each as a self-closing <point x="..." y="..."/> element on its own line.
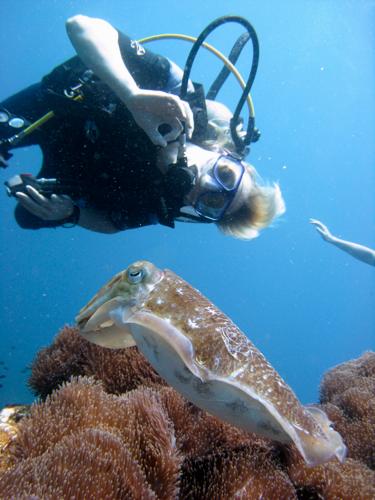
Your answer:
<point x="306" y="305"/>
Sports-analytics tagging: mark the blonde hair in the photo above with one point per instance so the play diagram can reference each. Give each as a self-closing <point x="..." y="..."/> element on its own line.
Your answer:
<point x="260" y="206"/>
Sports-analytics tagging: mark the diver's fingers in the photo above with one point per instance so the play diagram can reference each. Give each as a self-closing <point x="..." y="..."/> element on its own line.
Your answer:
<point x="62" y="200"/>
<point x="55" y="200"/>
<point x="318" y="224"/>
<point x="185" y="114"/>
<point x="156" y="138"/>
<point x="32" y="206"/>
<point x="314" y="221"/>
<point x="65" y="197"/>
<point x="54" y="208"/>
<point x="176" y="131"/>
<point x="37" y="196"/>
<point x="189" y="120"/>
<point x="176" y="107"/>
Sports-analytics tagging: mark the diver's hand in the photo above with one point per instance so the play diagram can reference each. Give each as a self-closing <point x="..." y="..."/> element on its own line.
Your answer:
<point x="322" y="230"/>
<point x="58" y="207"/>
<point x="152" y="108"/>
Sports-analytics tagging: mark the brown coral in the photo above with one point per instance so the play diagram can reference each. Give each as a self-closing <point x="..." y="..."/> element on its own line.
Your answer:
<point x="70" y="355"/>
<point x="132" y="436"/>
<point x="348" y="394"/>
<point x="109" y="471"/>
<point x="86" y="443"/>
<point x="347" y="481"/>
<point x="67" y="445"/>
<point x="246" y="472"/>
<point x="358" y="372"/>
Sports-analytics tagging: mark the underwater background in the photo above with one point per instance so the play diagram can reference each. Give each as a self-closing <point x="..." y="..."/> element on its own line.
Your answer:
<point x="305" y="304"/>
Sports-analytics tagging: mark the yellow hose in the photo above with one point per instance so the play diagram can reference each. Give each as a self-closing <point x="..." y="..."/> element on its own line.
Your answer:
<point x="38" y="123"/>
<point x="33" y="126"/>
<point x="147" y="39"/>
<point x="212" y="49"/>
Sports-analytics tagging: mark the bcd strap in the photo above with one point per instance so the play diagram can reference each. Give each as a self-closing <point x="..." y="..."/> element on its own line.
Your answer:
<point x="61" y="84"/>
<point x="197" y="104"/>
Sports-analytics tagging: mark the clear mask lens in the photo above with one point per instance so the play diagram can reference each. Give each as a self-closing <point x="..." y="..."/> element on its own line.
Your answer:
<point x="228" y="173"/>
<point x="225" y="180"/>
<point x="211" y="204"/>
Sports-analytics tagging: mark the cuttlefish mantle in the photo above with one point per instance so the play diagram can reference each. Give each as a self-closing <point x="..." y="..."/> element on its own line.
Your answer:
<point x="199" y="351"/>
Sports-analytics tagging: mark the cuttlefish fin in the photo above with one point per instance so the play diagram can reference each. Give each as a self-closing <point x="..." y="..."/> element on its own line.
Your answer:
<point x="108" y="327"/>
<point x="319" y="449"/>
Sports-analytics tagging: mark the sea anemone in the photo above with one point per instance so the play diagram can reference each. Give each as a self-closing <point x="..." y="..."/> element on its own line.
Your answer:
<point x="348" y="396"/>
<point x="118" y="431"/>
<point x="70" y="355"/>
<point x="82" y="442"/>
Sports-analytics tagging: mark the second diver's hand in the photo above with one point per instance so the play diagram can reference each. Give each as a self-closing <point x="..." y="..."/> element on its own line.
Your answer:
<point x="323" y="230"/>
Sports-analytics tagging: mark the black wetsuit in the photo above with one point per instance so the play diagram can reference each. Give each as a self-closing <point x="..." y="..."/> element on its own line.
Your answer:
<point x="95" y="145"/>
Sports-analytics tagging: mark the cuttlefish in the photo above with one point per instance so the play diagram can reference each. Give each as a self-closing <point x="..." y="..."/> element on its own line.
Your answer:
<point x="199" y="351"/>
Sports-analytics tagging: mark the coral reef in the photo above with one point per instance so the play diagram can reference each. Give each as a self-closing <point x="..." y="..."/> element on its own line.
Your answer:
<point x="347" y="481"/>
<point x="9" y="418"/>
<point x="115" y="431"/>
<point x="119" y="370"/>
<point x="85" y="443"/>
<point x="348" y="396"/>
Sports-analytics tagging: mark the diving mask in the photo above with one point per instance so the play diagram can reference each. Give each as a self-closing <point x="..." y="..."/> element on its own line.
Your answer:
<point x="221" y="185"/>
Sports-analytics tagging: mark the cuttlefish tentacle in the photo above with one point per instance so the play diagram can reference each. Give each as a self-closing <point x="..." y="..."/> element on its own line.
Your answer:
<point x="107" y="326"/>
<point x="205" y="356"/>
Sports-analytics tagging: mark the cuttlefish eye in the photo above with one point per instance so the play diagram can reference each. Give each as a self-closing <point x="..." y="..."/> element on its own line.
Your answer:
<point x="135" y="275"/>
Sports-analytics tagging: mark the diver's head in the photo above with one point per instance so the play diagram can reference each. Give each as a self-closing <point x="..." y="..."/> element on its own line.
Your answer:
<point x="218" y="135"/>
<point x="226" y="191"/>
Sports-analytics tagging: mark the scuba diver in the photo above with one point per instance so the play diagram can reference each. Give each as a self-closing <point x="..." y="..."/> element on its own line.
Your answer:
<point x="129" y="140"/>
